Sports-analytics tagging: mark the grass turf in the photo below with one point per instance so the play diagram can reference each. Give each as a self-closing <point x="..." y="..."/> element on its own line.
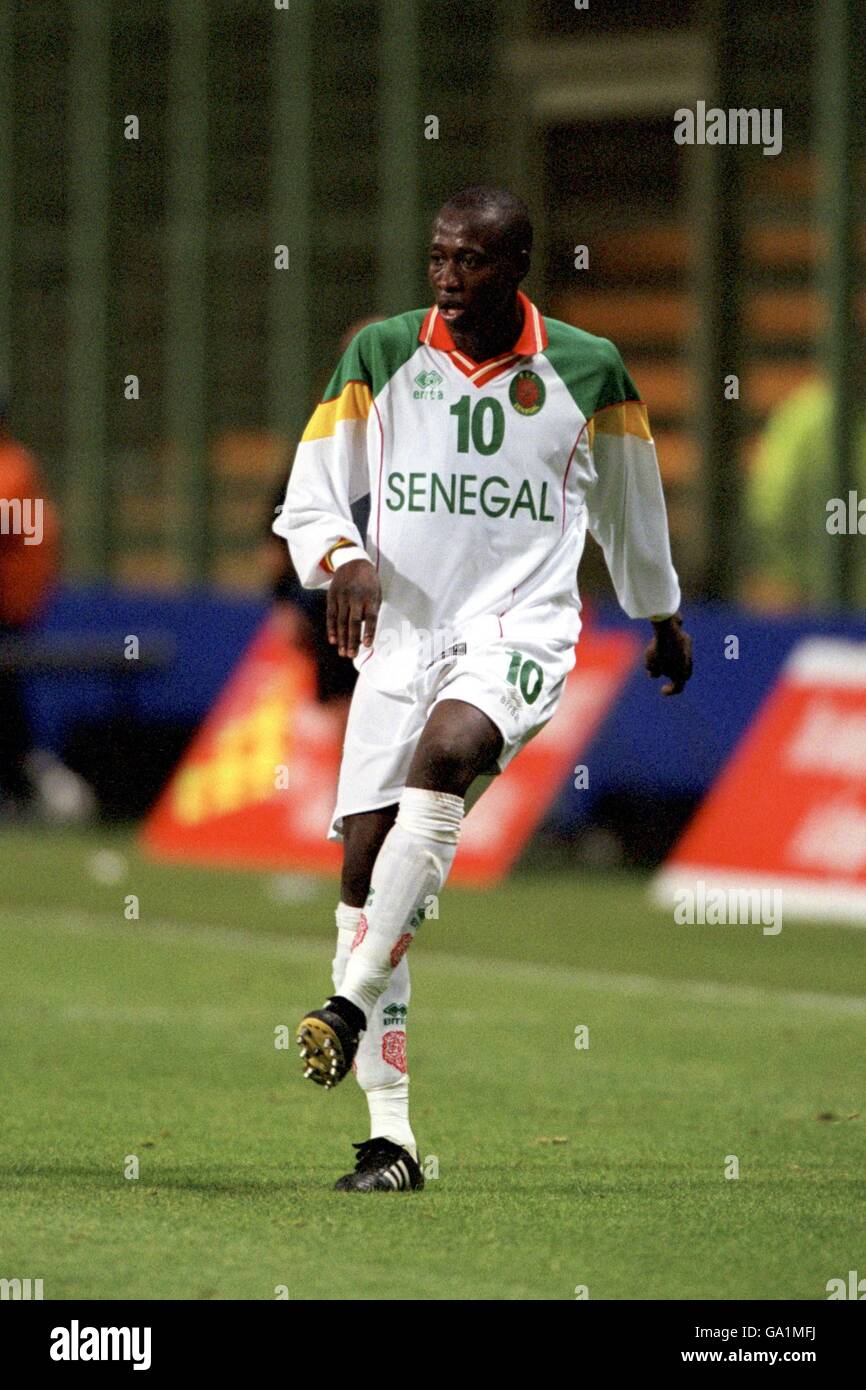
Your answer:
<point x="558" y="1167"/>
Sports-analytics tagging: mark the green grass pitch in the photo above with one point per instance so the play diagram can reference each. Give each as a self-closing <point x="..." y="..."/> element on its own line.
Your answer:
<point x="558" y="1167"/>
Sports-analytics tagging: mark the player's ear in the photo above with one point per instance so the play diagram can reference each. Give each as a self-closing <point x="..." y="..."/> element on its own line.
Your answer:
<point x="523" y="264"/>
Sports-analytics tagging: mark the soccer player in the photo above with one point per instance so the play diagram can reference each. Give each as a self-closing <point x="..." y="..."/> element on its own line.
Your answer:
<point x="490" y="438"/>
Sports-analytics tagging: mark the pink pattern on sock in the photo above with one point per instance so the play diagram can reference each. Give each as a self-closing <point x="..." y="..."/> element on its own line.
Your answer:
<point x="360" y="933"/>
<point x="401" y="948"/>
<point x="394" y="1049"/>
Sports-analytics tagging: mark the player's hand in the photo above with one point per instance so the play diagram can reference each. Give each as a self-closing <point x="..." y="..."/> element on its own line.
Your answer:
<point x="670" y="654"/>
<point x="354" y="597"/>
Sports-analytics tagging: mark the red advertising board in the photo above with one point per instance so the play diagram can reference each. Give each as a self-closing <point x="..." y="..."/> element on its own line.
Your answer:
<point x="789" y="811"/>
<point x="257" y="787"/>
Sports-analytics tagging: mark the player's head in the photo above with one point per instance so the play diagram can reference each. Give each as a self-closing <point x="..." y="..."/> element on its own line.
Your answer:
<point x="479" y="252"/>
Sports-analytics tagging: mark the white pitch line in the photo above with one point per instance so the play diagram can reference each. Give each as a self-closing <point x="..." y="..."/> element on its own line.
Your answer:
<point x="241" y="941"/>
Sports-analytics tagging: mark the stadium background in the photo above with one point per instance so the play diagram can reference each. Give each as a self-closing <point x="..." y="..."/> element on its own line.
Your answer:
<point x="155" y="256"/>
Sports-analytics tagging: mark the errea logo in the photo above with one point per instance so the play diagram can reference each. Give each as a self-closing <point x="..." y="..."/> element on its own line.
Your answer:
<point x="427" y="383"/>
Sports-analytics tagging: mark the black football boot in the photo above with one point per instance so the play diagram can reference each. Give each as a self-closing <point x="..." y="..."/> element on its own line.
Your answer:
<point x="382" y="1166"/>
<point x="328" y="1039"/>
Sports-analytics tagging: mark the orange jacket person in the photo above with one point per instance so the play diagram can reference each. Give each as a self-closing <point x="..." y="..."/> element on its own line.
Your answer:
<point x="28" y="566"/>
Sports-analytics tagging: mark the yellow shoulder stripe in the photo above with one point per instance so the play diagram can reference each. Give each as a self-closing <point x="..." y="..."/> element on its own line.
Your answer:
<point x="628" y="417"/>
<point x="353" y="403"/>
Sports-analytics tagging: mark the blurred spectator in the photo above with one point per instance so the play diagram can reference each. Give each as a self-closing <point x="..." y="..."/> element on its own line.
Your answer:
<point x="791" y="560"/>
<point x="301" y="612"/>
<point x="32" y="780"/>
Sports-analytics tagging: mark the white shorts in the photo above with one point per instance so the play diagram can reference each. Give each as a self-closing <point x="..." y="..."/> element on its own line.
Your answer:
<point x="517" y="685"/>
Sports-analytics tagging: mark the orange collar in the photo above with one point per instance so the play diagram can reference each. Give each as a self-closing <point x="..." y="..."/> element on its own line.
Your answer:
<point x="435" y="333"/>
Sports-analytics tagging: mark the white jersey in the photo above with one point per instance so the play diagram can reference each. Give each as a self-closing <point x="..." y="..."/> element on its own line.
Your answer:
<point x="483" y="479"/>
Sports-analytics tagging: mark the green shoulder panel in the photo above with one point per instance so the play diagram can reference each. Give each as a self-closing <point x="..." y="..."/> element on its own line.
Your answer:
<point x="377" y="352"/>
<point x="590" y="367"/>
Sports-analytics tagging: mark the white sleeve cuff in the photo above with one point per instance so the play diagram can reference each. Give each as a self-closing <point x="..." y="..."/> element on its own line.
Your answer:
<point x="344" y="554"/>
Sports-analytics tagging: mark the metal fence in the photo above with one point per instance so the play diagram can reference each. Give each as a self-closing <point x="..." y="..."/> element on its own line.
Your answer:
<point x="202" y="196"/>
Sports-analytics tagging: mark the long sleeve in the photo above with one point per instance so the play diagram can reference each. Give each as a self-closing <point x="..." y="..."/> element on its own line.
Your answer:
<point x="329" y="472"/>
<point x="626" y="505"/>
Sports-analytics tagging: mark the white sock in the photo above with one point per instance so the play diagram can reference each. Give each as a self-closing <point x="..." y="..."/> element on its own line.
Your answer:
<point x="347" y="919"/>
<point x="411" y="866"/>
<point x="389" y="1114"/>
<point x="381" y="1055"/>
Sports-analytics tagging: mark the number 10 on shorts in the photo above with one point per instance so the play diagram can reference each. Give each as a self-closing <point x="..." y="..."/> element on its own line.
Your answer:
<point x="528" y="675"/>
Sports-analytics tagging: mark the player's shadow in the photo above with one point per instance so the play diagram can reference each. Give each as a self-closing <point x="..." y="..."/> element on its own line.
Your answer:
<point x="105" y="1178"/>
